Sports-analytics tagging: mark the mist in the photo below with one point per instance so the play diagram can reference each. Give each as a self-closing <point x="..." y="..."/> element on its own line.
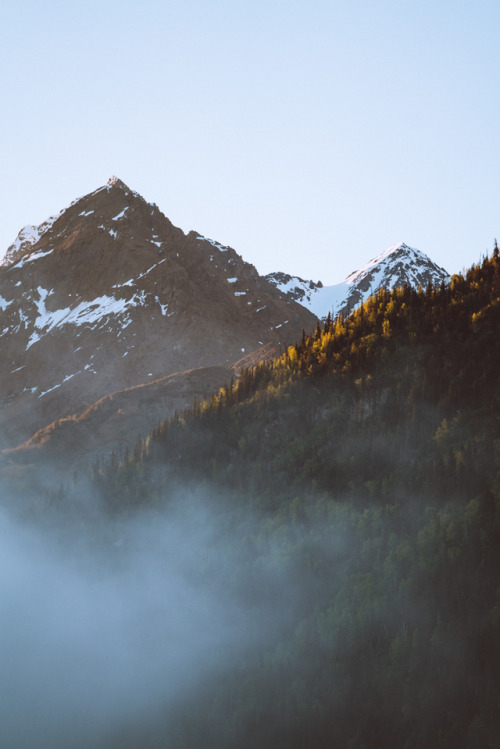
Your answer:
<point x="105" y="623"/>
<point x="204" y="622"/>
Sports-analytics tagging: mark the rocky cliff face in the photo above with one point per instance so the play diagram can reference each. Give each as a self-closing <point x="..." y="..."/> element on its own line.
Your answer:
<point x="109" y="295"/>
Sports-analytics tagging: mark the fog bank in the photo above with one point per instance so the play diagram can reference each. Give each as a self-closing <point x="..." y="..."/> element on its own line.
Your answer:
<point x="104" y="625"/>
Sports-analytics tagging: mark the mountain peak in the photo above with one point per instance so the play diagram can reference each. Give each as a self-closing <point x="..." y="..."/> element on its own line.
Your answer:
<point x="108" y="294"/>
<point x="29" y="236"/>
<point x="400" y="246"/>
<point x="398" y="265"/>
<point x="391" y="254"/>
<point x="116" y="182"/>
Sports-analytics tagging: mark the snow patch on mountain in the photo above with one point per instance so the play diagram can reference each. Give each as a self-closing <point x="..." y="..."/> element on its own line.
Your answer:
<point x="34" y="256"/>
<point x="91" y="312"/>
<point x="27" y="238"/>
<point x="120" y="215"/>
<point x="326" y="299"/>
<point x="54" y="387"/>
<point x="4" y="303"/>
<point x="163" y="307"/>
<point x="220" y="247"/>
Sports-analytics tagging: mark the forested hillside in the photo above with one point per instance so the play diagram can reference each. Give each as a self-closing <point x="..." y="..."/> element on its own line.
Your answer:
<point x="351" y="489"/>
<point x="367" y="457"/>
<point x="404" y="391"/>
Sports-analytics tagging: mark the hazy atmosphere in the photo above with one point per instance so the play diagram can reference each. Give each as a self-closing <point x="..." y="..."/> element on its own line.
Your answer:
<point x="106" y="622"/>
<point x="239" y="509"/>
<point x="308" y="136"/>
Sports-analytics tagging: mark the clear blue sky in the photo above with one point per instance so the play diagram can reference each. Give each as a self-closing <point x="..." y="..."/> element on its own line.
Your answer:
<point x="309" y="136"/>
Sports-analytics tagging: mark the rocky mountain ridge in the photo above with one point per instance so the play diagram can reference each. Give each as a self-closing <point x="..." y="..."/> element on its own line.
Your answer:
<point x="399" y="265"/>
<point x="108" y="295"/>
<point x="111" y="318"/>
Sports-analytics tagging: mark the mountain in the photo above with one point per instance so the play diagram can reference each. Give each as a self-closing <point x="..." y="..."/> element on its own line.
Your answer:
<point x="108" y="295"/>
<point x="399" y="265"/>
<point x="102" y="303"/>
<point x="317" y="548"/>
<point x="358" y="482"/>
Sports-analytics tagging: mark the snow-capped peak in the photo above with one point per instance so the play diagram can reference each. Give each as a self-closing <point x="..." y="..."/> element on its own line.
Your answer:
<point x="401" y="248"/>
<point x="398" y="265"/>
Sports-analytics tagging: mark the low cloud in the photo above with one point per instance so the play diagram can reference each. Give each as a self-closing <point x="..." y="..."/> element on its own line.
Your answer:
<point x="104" y="623"/>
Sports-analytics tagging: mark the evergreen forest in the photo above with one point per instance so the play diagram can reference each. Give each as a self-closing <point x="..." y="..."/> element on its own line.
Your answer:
<point x="354" y="483"/>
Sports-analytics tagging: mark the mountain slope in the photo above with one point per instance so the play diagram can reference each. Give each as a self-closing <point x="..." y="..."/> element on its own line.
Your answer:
<point x="108" y="294"/>
<point x="358" y="477"/>
<point x="400" y="351"/>
<point x="115" y="421"/>
<point x="399" y="265"/>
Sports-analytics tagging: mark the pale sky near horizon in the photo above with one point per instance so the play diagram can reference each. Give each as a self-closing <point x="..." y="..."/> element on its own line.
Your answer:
<point x="308" y="136"/>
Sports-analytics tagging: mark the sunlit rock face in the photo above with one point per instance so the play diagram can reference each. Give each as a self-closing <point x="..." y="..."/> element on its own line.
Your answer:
<point x="109" y="295"/>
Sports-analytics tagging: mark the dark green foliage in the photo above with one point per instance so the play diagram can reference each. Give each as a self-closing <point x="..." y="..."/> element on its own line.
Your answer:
<point x="369" y="454"/>
<point x="324" y="415"/>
